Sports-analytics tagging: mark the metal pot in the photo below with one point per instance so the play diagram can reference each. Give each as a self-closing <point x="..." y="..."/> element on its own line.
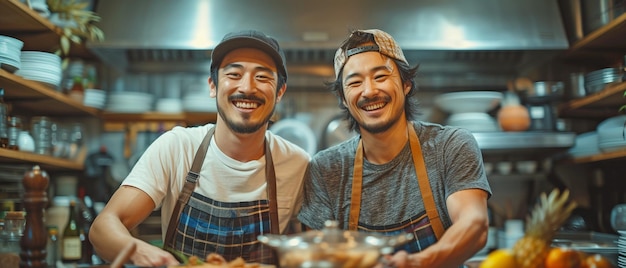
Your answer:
<point x="332" y="247"/>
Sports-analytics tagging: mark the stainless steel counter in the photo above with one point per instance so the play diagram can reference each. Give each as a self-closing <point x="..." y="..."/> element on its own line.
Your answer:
<point x="527" y="142"/>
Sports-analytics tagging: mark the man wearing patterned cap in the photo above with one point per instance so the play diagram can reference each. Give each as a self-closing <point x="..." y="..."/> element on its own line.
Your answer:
<point x="399" y="175"/>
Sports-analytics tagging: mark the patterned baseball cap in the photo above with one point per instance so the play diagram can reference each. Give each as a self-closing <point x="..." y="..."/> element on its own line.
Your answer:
<point x="249" y="39"/>
<point x="384" y="43"/>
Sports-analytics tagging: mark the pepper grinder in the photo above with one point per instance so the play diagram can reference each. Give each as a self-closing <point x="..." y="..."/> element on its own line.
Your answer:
<point x="33" y="242"/>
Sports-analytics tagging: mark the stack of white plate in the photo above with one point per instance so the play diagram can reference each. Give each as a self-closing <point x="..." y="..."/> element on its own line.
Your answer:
<point x="199" y="103"/>
<point x="468" y="109"/>
<point x="611" y="134"/>
<point x="40" y="66"/>
<point x="468" y="101"/>
<point x="129" y="102"/>
<point x="621" y="249"/>
<point x="10" y="49"/>
<point x="475" y="122"/>
<point x="169" y="105"/>
<point x="596" y="81"/>
<point x="94" y="98"/>
<point x="586" y="144"/>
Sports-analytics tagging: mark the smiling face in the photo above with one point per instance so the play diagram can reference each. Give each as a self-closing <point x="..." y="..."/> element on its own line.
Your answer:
<point x="246" y="91"/>
<point x="373" y="91"/>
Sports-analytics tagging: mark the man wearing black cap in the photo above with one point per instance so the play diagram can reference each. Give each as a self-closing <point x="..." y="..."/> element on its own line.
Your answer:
<point x="220" y="185"/>
<point x="399" y="175"/>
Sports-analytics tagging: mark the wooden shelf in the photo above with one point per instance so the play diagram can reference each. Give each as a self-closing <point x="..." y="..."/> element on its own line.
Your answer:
<point x="188" y="118"/>
<point x="602" y="104"/>
<point x="603" y="47"/>
<point x="44" y="161"/>
<point x="37" y="33"/>
<point x="614" y="155"/>
<point x="33" y="98"/>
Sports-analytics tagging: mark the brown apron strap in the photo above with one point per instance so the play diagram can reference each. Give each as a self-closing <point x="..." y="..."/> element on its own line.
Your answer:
<point x="190" y="185"/>
<point x="357" y="185"/>
<point x="270" y="177"/>
<point x="422" y="180"/>
<point x="424" y="183"/>
<point x="194" y="173"/>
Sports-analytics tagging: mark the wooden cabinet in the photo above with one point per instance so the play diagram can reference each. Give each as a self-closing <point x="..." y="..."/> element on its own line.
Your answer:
<point x="30" y="98"/>
<point x="604" y="47"/>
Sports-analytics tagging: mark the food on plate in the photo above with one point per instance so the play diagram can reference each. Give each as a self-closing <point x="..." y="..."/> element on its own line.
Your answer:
<point x="214" y="260"/>
<point x="331" y="258"/>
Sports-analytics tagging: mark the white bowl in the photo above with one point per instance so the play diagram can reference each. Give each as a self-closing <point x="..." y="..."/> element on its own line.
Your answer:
<point x="469" y="101"/>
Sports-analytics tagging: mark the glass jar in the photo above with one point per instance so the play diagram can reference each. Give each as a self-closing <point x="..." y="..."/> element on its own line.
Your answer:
<point x="14" y="224"/>
<point x="42" y="134"/>
<point x="14" y="128"/>
<point x="76" y="139"/>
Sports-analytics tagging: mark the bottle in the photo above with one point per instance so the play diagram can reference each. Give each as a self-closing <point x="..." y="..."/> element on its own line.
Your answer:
<point x="52" y="248"/>
<point x="72" y="246"/>
<point x="77" y="91"/>
<point x="4" y="134"/>
<point x="87" y="215"/>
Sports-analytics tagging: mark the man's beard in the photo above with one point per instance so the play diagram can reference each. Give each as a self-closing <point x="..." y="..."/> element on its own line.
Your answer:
<point x="244" y="128"/>
<point x="378" y="127"/>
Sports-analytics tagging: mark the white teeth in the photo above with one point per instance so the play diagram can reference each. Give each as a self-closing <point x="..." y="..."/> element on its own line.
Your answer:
<point x="374" y="106"/>
<point x="246" y="105"/>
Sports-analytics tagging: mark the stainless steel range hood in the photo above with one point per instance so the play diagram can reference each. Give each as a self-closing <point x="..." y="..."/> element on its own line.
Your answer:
<point x="470" y="41"/>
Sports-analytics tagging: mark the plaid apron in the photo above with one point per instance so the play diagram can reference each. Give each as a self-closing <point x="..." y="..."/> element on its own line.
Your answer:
<point x="426" y="228"/>
<point x="200" y="225"/>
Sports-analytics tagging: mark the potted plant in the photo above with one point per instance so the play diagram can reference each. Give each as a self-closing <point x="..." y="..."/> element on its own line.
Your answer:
<point x="77" y="23"/>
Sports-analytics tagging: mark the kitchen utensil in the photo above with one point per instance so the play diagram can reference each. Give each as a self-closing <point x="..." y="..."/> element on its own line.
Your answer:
<point x="296" y="132"/>
<point x="332" y="247"/>
<point x="618" y="217"/>
<point x="336" y="131"/>
<point x="124" y="256"/>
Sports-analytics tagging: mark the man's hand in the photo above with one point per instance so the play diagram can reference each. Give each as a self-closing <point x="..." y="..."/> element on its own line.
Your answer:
<point x="150" y="256"/>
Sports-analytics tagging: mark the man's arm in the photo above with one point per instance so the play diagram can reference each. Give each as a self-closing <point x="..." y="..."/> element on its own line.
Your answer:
<point x="109" y="233"/>
<point x="466" y="236"/>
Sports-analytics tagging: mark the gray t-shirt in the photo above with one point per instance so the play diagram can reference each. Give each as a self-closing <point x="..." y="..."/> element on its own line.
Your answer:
<point x="390" y="192"/>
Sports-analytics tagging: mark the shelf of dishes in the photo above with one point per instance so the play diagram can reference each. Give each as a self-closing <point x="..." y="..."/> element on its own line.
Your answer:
<point x="614" y="155"/>
<point x="184" y="118"/>
<point x="34" y="98"/>
<point x="602" y="104"/>
<point x="38" y="33"/>
<point x="46" y="162"/>
<point x="606" y="142"/>
<point x="604" y="45"/>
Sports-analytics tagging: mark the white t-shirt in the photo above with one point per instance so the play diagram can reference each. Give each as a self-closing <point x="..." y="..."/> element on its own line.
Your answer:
<point x="161" y="172"/>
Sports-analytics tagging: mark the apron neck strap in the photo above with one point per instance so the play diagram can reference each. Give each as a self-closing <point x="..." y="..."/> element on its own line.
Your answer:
<point x="192" y="178"/>
<point x="422" y="180"/>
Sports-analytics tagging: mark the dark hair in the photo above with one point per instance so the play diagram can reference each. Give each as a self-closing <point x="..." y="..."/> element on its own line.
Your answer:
<point x="407" y="74"/>
<point x="282" y="79"/>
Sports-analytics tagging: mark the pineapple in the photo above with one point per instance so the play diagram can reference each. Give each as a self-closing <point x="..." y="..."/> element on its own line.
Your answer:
<point x="541" y="225"/>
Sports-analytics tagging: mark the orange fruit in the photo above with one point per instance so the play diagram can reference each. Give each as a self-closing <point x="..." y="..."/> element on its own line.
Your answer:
<point x="562" y="257"/>
<point x="597" y="261"/>
<point x="499" y="258"/>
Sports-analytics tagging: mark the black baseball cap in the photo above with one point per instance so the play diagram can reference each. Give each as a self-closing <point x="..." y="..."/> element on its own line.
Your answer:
<point x="249" y="39"/>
